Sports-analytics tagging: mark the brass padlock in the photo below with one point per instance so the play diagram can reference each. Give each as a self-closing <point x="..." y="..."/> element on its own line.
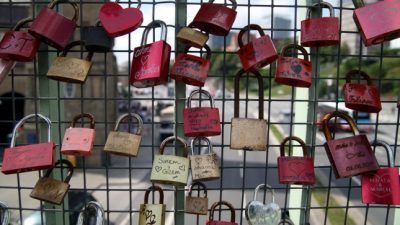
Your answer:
<point x="249" y="134"/>
<point x="4" y="214"/>
<point x="204" y="167"/>
<point x="192" y="37"/>
<point x="50" y="190"/>
<point x="92" y="213"/>
<point x="152" y="214"/>
<point x="124" y="143"/>
<point x="197" y="205"/>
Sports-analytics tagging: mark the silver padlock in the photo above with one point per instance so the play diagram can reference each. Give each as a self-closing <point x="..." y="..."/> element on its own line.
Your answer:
<point x="258" y="213"/>
<point x="4" y="214"/>
<point x="92" y="214"/>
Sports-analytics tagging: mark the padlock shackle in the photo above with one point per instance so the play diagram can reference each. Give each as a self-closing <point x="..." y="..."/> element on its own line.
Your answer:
<point x="358" y="3"/>
<point x="138" y="1"/>
<point x="260" y="93"/>
<point x="154" y="188"/>
<point x="266" y="187"/>
<point x="200" y="91"/>
<point x="285" y="221"/>
<point x="294" y="138"/>
<point x="21" y="23"/>
<point x="131" y="115"/>
<point x="389" y="150"/>
<point x="323" y="5"/>
<point x="234" y="3"/>
<point x="295" y="46"/>
<point x="85" y="214"/>
<point x="70" y="169"/>
<point x="229" y="205"/>
<point x="249" y="28"/>
<point x="171" y="139"/>
<point x="209" y="144"/>
<point x="73" y="4"/>
<point x="342" y="115"/>
<point x="201" y="186"/>
<point x="361" y="73"/>
<point x="5" y="214"/>
<point x="206" y="47"/>
<point x="73" y="44"/>
<point x="23" y="120"/>
<point x="152" y="25"/>
<point x="81" y="116"/>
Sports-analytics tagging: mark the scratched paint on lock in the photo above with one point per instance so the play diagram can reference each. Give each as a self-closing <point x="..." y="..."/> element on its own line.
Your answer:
<point x="294" y="68"/>
<point x="50" y="190"/>
<point x="123" y="143"/>
<point x="70" y="68"/>
<point x="196" y="205"/>
<point x="204" y="167"/>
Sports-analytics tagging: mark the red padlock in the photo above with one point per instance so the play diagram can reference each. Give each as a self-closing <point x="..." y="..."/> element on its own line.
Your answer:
<point x="201" y="121"/>
<point x="349" y="156"/>
<point x="383" y="186"/>
<point x="29" y="157"/>
<point x="150" y="63"/>
<point x="191" y="69"/>
<point x="19" y="45"/>
<point x="377" y="22"/>
<point x="53" y="28"/>
<point x="211" y="220"/>
<point x="293" y="71"/>
<point x="295" y="169"/>
<point x="215" y="18"/>
<point x="79" y="141"/>
<point x="258" y="53"/>
<point x="318" y="32"/>
<point x="361" y="97"/>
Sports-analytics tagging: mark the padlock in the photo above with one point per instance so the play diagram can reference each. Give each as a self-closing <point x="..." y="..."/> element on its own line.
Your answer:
<point x="295" y="169"/>
<point x="211" y="220"/>
<point x="319" y="32"/>
<point x="96" y="39"/>
<point x="258" y="213"/>
<point x="204" y="166"/>
<point x="257" y="53"/>
<point x="153" y="214"/>
<point x="293" y="71"/>
<point x="79" y="140"/>
<point x="125" y="143"/>
<point x="92" y="213"/>
<point x="5" y="67"/>
<point x="53" y="28"/>
<point x="191" y="69"/>
<point x="150" y="63"/>
<point x="215" y="19"/>
<point x="349" y="156"/>
<point x="29" y="157"/>
<point x="377" y="22"/>
<point x="361" y="97"/>
<point x="246" y="133"/>
<point x="171" y="169"/>
<point x="5" y="215"/>
<point x="197" y="205"/>
<point x="50" y="190"/>
<point x="68" y="69"/>
<point x="191" y="36"/>
<point x="19" y="45"/>
<point x="201" y="121"/>
<point x="383" y="186"/>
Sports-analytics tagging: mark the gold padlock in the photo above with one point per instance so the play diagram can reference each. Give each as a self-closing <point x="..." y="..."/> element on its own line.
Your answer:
<point x="249" y="134"/>
<point x="50" y="190"/>
<point x="153" y="214"/>
<point x="204" y="167"/>
<point x="72" y="70"/>
<point x="171" y="169"/>
<point x="197" y="205"/>
<point x="124" y="143"/>
<point x="192" y="37"/>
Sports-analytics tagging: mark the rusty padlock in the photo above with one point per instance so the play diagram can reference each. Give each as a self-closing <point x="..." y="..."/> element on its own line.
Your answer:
<point x="201" y="121"/>
<point x="361" y="97"/>
<point x="318" y="32"/>
<point x="215" y="19"/>
<point x="5" y="214"/>
<point x="204" y="166"/>
<point x="50" y="190"/>
<point x="191" y="69"/>
<point x="383" y="186"/>
<point x="295" y="169"/>
<point x="293" y="71"/>
<point x="53" y="28"/>
<point x="211" y="220"/>
<point x="349" y="156"/>
<point x="92" y="213"/>
<point x="5" y="67"/>
<point x="150" y="63"/>
<point x="249" y="134"/>
<point x="29" y="157"/>
<point x="377" y="22"/>
<point x="125" y="143"/>
<point x="79" y="140"/>
<point x="257" y="53"/>
<point x="191" y="36"/>
<point x="19" y="45"/>
<point x="153" y="214"/>
<point x="197" y="205"/>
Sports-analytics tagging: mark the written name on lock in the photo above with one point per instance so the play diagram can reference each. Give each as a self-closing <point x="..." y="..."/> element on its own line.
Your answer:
<point x="204" y="166"/>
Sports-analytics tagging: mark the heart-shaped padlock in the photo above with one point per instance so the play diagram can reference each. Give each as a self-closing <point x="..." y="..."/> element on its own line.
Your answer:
<point x="258" y="213"/>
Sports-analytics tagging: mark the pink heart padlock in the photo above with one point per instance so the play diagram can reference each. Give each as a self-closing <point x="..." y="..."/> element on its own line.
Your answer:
<point x="118" y="21"/>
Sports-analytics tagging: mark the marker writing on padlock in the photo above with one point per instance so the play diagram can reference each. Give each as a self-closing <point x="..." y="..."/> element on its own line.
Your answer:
<point x="359" y="166"/>
<point x="147" y="70"/>
<point x="360" y="100"/>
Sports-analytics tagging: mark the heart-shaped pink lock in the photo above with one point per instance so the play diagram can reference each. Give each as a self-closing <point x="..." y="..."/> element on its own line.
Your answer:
<point x="118" y="21"/>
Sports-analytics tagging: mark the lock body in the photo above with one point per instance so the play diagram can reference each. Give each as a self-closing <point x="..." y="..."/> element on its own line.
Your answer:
<point x="249" y="134"/>
<point x="362" y="97"/>
<point x="170" y="169"/>
<point x="193" y="37"/>
<point x="18" y="46"/>
<point x="318" y="32"/>
<point x="123" y="143"/>
<point x="196" y="205"/>
<point x="71" y="70"/>
<point x="97" y="39"/>
<point x="204" y="167"/>
<point x="190" y="69"/>
<point x="152" y="214"/>
<point x="381" y="187"/>
<point x="5" y="67"/>
<point x="293" y="72"/>
<point x="296" y="170"/>
<point x="49" y="190"/>
<point x="78" y="141"/>
<point x="201" y="121"/>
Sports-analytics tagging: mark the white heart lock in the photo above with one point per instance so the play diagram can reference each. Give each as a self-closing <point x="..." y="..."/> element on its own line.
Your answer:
<point x="258" y="213"/>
